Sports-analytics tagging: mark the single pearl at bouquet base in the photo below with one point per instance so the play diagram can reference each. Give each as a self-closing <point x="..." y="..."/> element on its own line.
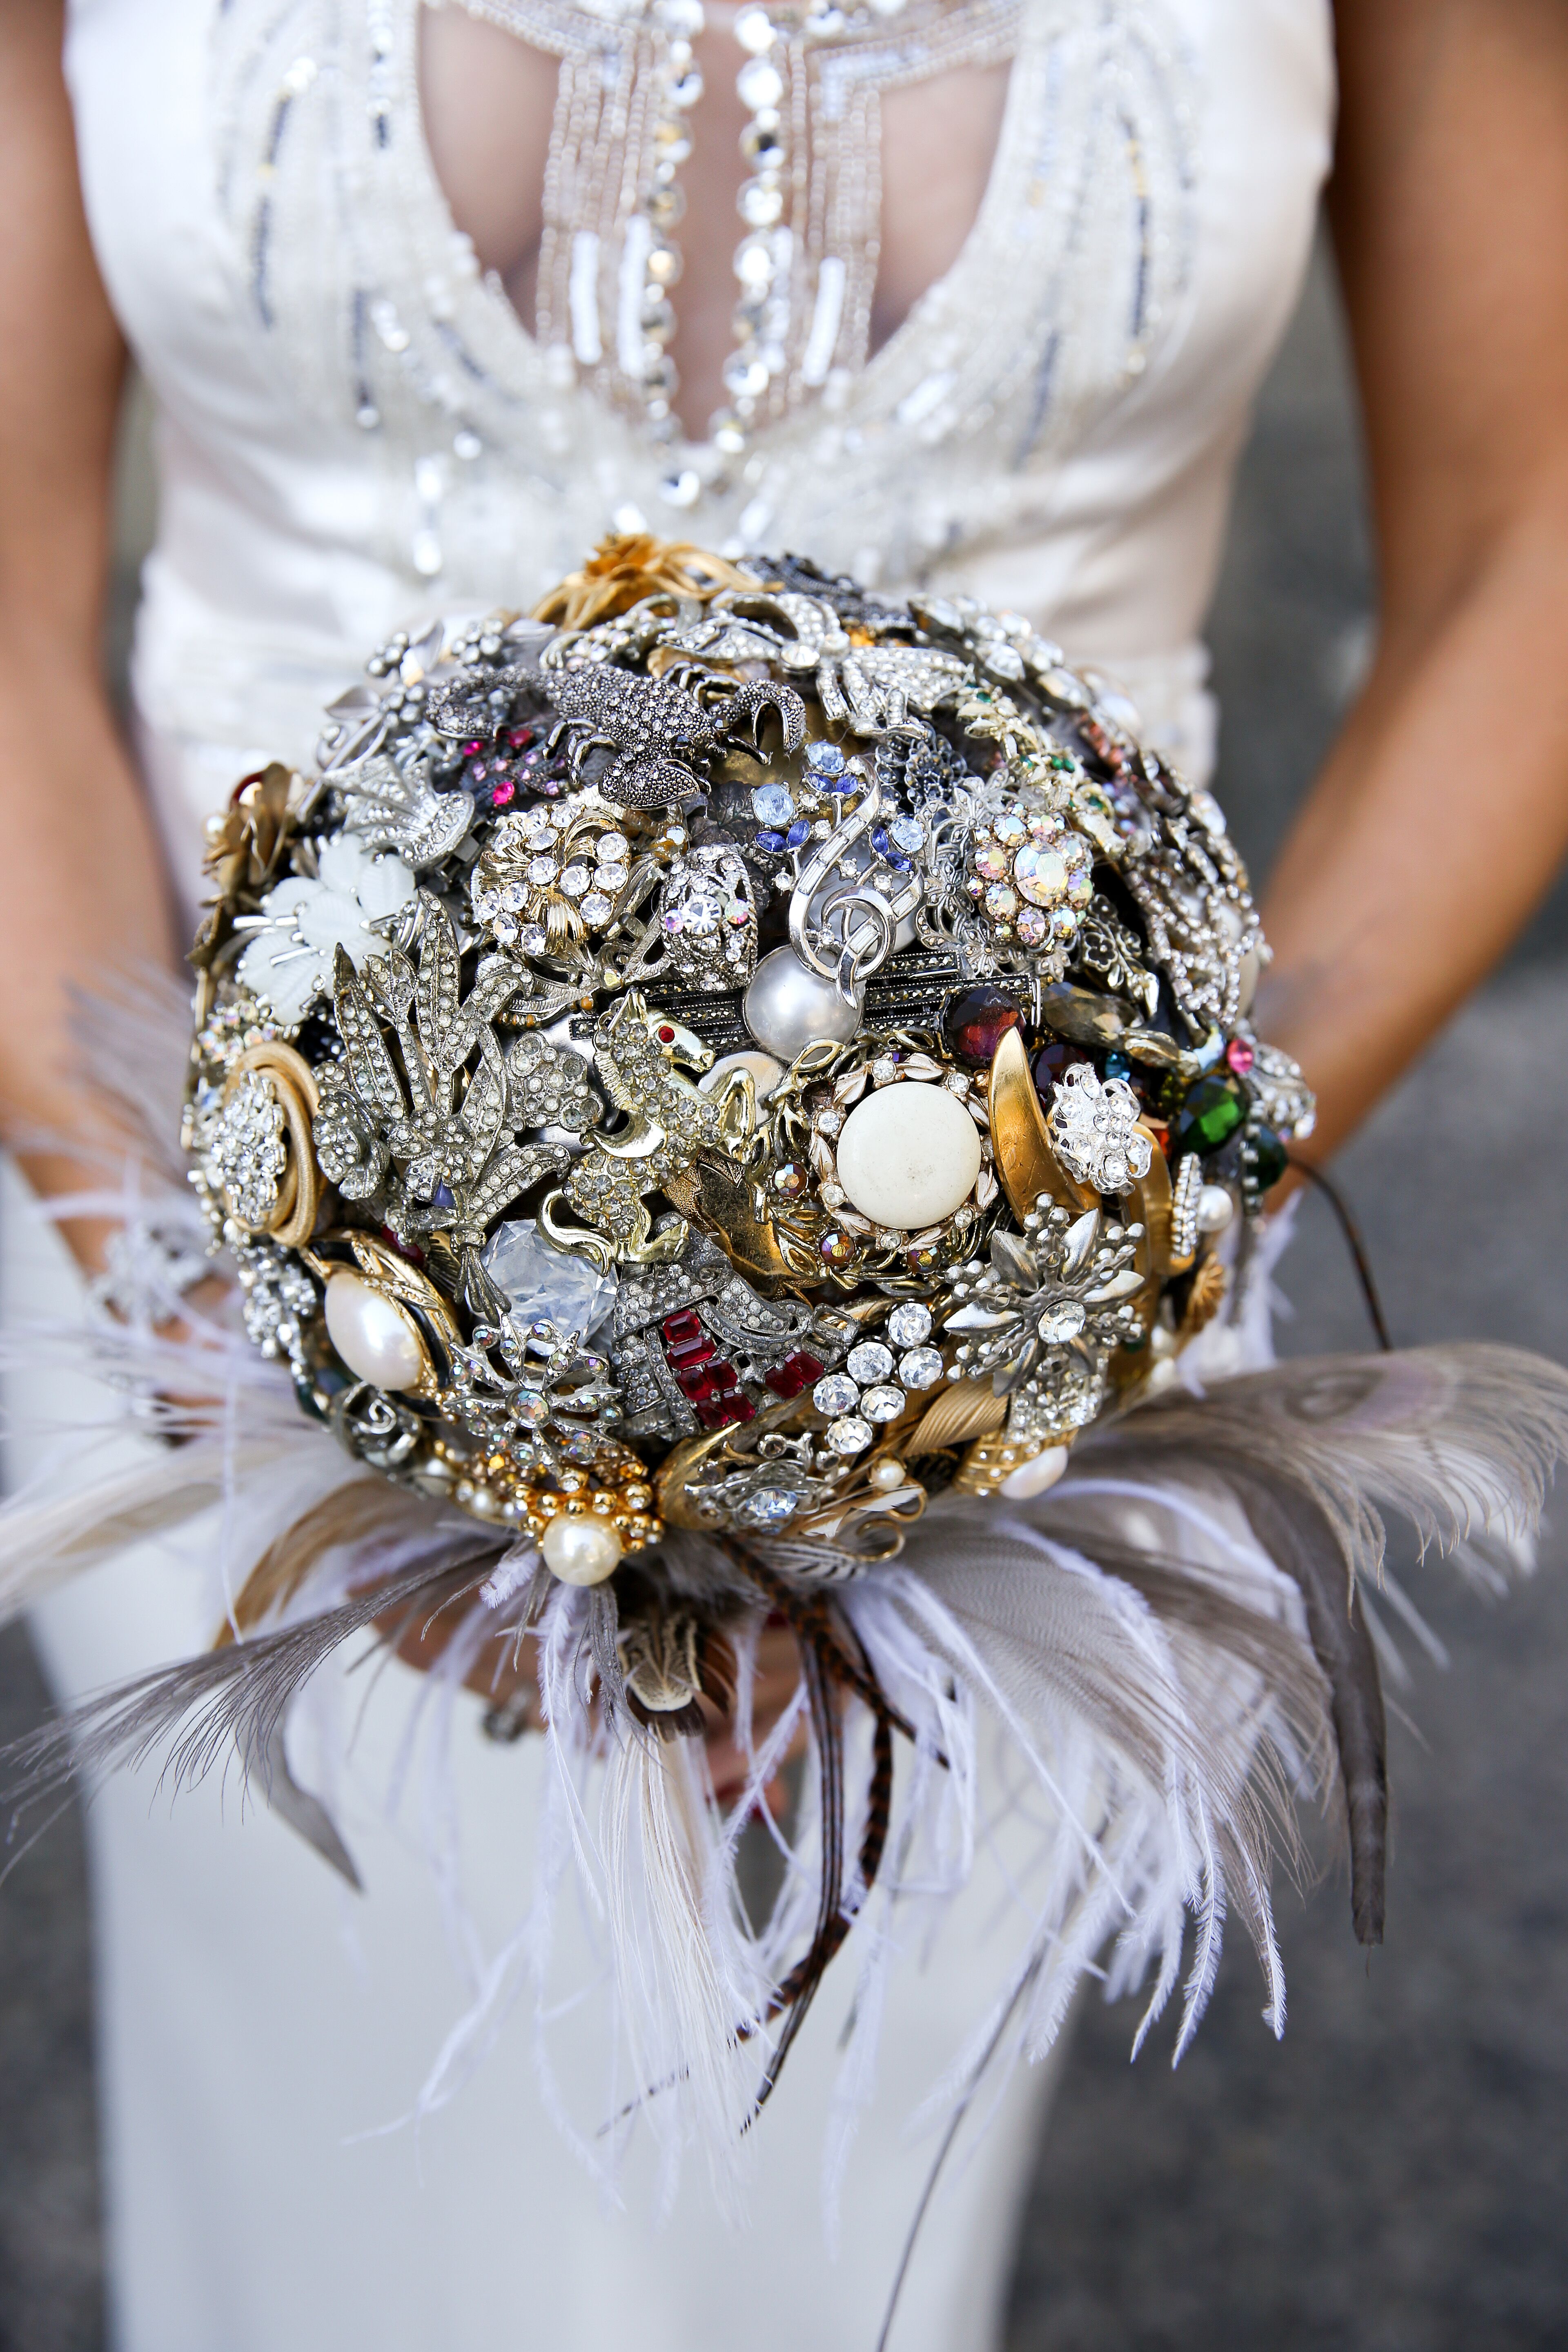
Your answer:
<point x="788" y="1005"/>
<point x="1033" y="1477"/>
<point x="1215" y="1209"/>
<point x="376" y="1340"/>
<point x="908" y="1156"/>
<point x="581" y="1551"/>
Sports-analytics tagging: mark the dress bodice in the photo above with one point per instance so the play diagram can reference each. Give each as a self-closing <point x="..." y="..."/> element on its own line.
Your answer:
<point x="355" y="427"/>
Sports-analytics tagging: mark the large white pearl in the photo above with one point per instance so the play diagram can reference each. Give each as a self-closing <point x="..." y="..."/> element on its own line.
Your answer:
<point x="376" y="1340"/>
<point x="908" y="1156"/>
<point x="581" y="1551"/>
<point x="1034" y="1476"/>
<point x="788" y="1004"/>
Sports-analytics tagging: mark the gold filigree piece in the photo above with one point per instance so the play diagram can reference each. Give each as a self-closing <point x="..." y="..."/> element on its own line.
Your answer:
<point x="626" y="568"/>
<point x="1206" y="1298"/>
<point x="990" y="1460"/>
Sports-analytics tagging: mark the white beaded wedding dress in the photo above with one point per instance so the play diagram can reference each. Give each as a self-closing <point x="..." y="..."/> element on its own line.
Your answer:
<point x="355" y="427"/>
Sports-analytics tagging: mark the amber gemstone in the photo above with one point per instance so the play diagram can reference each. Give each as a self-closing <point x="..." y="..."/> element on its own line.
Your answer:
<point x="976" y="1021"/>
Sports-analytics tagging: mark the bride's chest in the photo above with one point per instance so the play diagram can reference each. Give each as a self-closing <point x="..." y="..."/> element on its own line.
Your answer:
<point x="265" y="192"/>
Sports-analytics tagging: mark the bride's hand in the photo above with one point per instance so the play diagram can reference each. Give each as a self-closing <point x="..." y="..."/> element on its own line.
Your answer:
<point x="504" y="1677"/>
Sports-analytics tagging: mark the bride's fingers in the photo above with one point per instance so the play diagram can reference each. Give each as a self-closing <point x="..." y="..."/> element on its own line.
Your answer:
<point x="775" y="1681"/>
<point x="504" y="1675"/>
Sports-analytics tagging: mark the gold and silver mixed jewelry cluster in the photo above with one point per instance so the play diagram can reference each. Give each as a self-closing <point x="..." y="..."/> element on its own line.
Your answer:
<point x="729" y="1054"/>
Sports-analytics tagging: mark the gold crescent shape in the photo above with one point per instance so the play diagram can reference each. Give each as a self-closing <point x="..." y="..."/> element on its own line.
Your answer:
<point x="1020" y="1140"/>
<point x="283" y="1062"/>
<point x="1149" y="1205"/>
<point x="1151" y="1208"/>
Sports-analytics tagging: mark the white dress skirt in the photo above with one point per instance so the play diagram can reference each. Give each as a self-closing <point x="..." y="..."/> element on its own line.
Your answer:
<point x="264" y="2035"/>
<point x="354" y="429"/>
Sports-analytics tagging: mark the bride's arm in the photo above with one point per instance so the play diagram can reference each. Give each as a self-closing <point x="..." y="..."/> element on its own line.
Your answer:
<point x="1442" y="812"/>
<point x="81" y="883"/>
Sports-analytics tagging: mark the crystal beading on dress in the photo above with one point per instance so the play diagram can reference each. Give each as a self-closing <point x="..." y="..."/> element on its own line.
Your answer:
<point x="1074" y="268"/>
<point x="810" y="81"/>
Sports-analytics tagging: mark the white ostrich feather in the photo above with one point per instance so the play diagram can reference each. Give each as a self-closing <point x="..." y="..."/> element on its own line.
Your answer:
<point x="1170" y="1646"/>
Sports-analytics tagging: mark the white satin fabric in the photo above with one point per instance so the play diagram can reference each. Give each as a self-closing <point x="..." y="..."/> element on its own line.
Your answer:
<point x="269" y="270"/>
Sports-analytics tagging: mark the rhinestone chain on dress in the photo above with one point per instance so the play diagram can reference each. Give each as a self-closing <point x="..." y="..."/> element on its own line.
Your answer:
<point x="810" y="80"/>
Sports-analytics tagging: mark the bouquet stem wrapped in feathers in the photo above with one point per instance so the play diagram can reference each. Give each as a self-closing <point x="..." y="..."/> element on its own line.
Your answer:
<point x="739" y="1113"/>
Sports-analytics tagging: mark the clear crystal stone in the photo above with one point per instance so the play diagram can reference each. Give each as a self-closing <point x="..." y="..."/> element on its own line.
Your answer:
<point x="770" y="1506"/>
<point x="883" y="1403"/>
<point x="869" y="1362"/>
<point x="908" y="1324"/>
<point x="546" y="1284"/>
<point x="921" y="1369"/>
<point x="837" y="1393"/>
<point x="850" y="1435"/>
<point x="1061" y="1322"/>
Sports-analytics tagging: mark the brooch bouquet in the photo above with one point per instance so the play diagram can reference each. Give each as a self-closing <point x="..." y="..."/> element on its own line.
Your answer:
<point x="727" y="1100"/>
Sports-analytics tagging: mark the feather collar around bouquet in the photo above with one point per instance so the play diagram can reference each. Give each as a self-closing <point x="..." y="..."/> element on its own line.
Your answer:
<point x="727" y="1099"/>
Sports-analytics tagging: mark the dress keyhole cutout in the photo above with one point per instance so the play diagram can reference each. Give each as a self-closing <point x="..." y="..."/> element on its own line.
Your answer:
<point x="488" y="99"/>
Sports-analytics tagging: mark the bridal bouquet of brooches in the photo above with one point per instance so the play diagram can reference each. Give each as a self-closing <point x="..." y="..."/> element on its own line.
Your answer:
<point x="727" y="1101"/>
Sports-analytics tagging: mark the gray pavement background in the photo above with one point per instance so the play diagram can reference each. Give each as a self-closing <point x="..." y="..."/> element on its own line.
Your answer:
<point x="1391" y="2177"/>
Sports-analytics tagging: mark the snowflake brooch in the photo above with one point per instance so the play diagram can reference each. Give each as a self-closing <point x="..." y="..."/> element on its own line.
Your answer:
<point x="1094" y="1126"/>
<point x="1044" y="1317"/>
